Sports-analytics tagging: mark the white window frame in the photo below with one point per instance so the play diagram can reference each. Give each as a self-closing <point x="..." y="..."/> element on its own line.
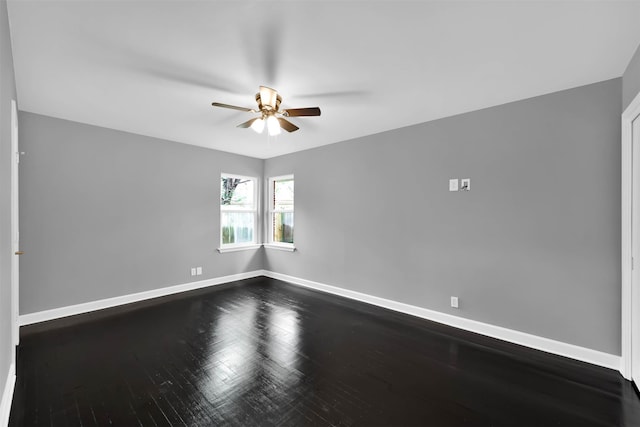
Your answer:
<point x="233" y="247"/>
<point x="271" y="210"/>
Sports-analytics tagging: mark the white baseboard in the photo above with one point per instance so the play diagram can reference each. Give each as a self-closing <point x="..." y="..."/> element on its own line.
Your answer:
<point x="594" y="357"/>
<point x="572" y="351"/>
<point x="57" y="313"/>
<point x="7" y="396"/>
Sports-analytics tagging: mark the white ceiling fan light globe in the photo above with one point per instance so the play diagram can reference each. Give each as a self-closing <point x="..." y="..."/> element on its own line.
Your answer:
<point x="273" y="126"/>
<point x="258" y="125"/>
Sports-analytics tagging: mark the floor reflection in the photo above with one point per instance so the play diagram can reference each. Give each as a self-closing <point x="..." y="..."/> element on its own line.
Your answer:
<point x="253" y="347"/>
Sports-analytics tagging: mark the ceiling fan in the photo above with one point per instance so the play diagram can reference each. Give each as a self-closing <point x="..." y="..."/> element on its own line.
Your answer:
<point x="269" y="108"/>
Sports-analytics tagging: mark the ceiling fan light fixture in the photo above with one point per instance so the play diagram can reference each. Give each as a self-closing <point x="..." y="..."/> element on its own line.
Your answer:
<point x="258" y="125"/>
<point x="273" y="126"/>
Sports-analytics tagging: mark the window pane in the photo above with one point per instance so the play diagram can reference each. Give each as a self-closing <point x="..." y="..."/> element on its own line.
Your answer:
<point x="283" y="195"/>
<point x="283" y="227"/>
<point x="237" y="193"/>
<point x="237" y="227"/>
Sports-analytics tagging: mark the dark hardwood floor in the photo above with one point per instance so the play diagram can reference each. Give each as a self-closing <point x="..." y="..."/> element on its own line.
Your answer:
<point x="262" y="352"/>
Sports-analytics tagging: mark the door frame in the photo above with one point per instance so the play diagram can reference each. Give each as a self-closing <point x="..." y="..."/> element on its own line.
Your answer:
<point x="15" y="239"/>
<point x="629" y="245"/>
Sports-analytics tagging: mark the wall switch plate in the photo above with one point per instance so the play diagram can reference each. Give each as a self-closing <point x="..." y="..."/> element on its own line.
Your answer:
<point x="465" y="184"/>
<point x="193" y="271"/>
<point x="454" y="302"/>
<point x="198" y="271"/>
<point x="453" y="185"/>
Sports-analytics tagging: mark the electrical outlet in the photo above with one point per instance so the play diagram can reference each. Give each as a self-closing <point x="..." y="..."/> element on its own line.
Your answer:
<point x="453" y="184"/>
<point x="198" y="271"/>
<point x="454" y="302"/>
<point x="193" y="271"/>
<point x="465" y="184"/>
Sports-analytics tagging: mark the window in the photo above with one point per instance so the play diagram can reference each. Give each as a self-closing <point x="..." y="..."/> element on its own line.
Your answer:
<point x="238" y="212"/>
<point x="281" y="212"/>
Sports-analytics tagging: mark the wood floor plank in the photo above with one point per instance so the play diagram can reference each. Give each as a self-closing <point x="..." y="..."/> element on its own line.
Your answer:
<point x="261" y="352"/>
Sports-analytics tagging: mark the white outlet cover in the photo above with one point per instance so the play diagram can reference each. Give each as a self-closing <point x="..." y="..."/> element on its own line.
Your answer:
<point x="193" y="271"/>
<point x="198" y="271"/>
<point x="453" y="184"/>
<point x="465" y="184"/>
<point x="454" y="302"/>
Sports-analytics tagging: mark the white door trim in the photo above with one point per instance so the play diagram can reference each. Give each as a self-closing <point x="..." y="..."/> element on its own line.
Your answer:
<point x="628" y="116"/>
<point x="15" y="331"/>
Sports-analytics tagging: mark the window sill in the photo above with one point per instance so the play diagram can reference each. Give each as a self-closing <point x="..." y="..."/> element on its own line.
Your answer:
<point x="288" y="248"/>
<point x="226" y="249"/>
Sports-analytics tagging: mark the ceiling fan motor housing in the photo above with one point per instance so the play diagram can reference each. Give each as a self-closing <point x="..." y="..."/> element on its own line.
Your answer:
<point x="271" y="105"/>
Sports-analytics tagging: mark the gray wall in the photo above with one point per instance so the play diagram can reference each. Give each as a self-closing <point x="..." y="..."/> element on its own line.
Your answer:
<point x="7" y="93"/>
<point x="534" y="246"/>
<point x="107" y="213"/>
<point x="631" y="80"/>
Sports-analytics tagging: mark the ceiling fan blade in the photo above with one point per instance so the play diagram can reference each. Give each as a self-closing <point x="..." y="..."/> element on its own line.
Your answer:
<point x="248" y="123"/>
<point x="287" y="125"/>
<point x="233" y="107"/>
<point x="299" y="112"/>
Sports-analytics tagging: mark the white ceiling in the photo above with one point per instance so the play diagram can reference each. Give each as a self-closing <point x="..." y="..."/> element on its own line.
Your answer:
<point x="154" y="67"/>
